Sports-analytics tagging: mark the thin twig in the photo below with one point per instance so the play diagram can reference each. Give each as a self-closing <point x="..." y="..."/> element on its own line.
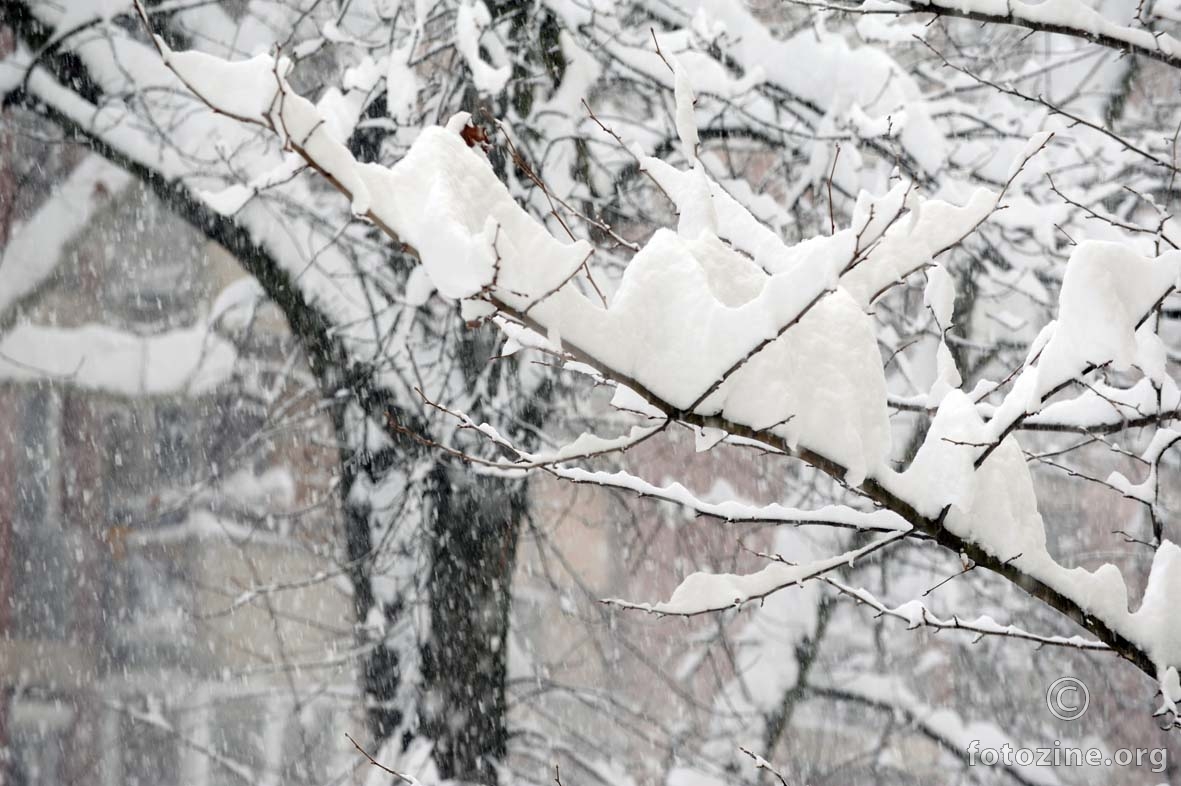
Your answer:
<point x="380" y="766"/>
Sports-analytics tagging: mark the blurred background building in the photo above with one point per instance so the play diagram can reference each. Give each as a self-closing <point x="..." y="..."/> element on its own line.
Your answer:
<point x="156" y="462"/>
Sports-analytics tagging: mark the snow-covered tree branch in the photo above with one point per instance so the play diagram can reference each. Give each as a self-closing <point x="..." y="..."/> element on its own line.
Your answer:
<point x="720" y="325"/>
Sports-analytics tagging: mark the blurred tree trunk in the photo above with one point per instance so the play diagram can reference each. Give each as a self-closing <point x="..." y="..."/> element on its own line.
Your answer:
<point x="474" y="530"/>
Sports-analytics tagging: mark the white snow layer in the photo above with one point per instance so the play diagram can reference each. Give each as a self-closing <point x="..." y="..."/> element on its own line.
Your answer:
<point x="470" y="21"/>
<point x="188" y="360"/>
<point x="37" y="245"/>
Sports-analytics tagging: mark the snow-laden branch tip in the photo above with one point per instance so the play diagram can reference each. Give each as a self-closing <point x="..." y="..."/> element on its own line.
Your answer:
<point x="700" y="593"/>
<point x="1062" y="17"/>
<point x="916" y="615"/>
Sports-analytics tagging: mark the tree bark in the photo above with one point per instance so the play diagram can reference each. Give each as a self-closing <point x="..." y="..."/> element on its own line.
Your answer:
<point x="474" y="530"/>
